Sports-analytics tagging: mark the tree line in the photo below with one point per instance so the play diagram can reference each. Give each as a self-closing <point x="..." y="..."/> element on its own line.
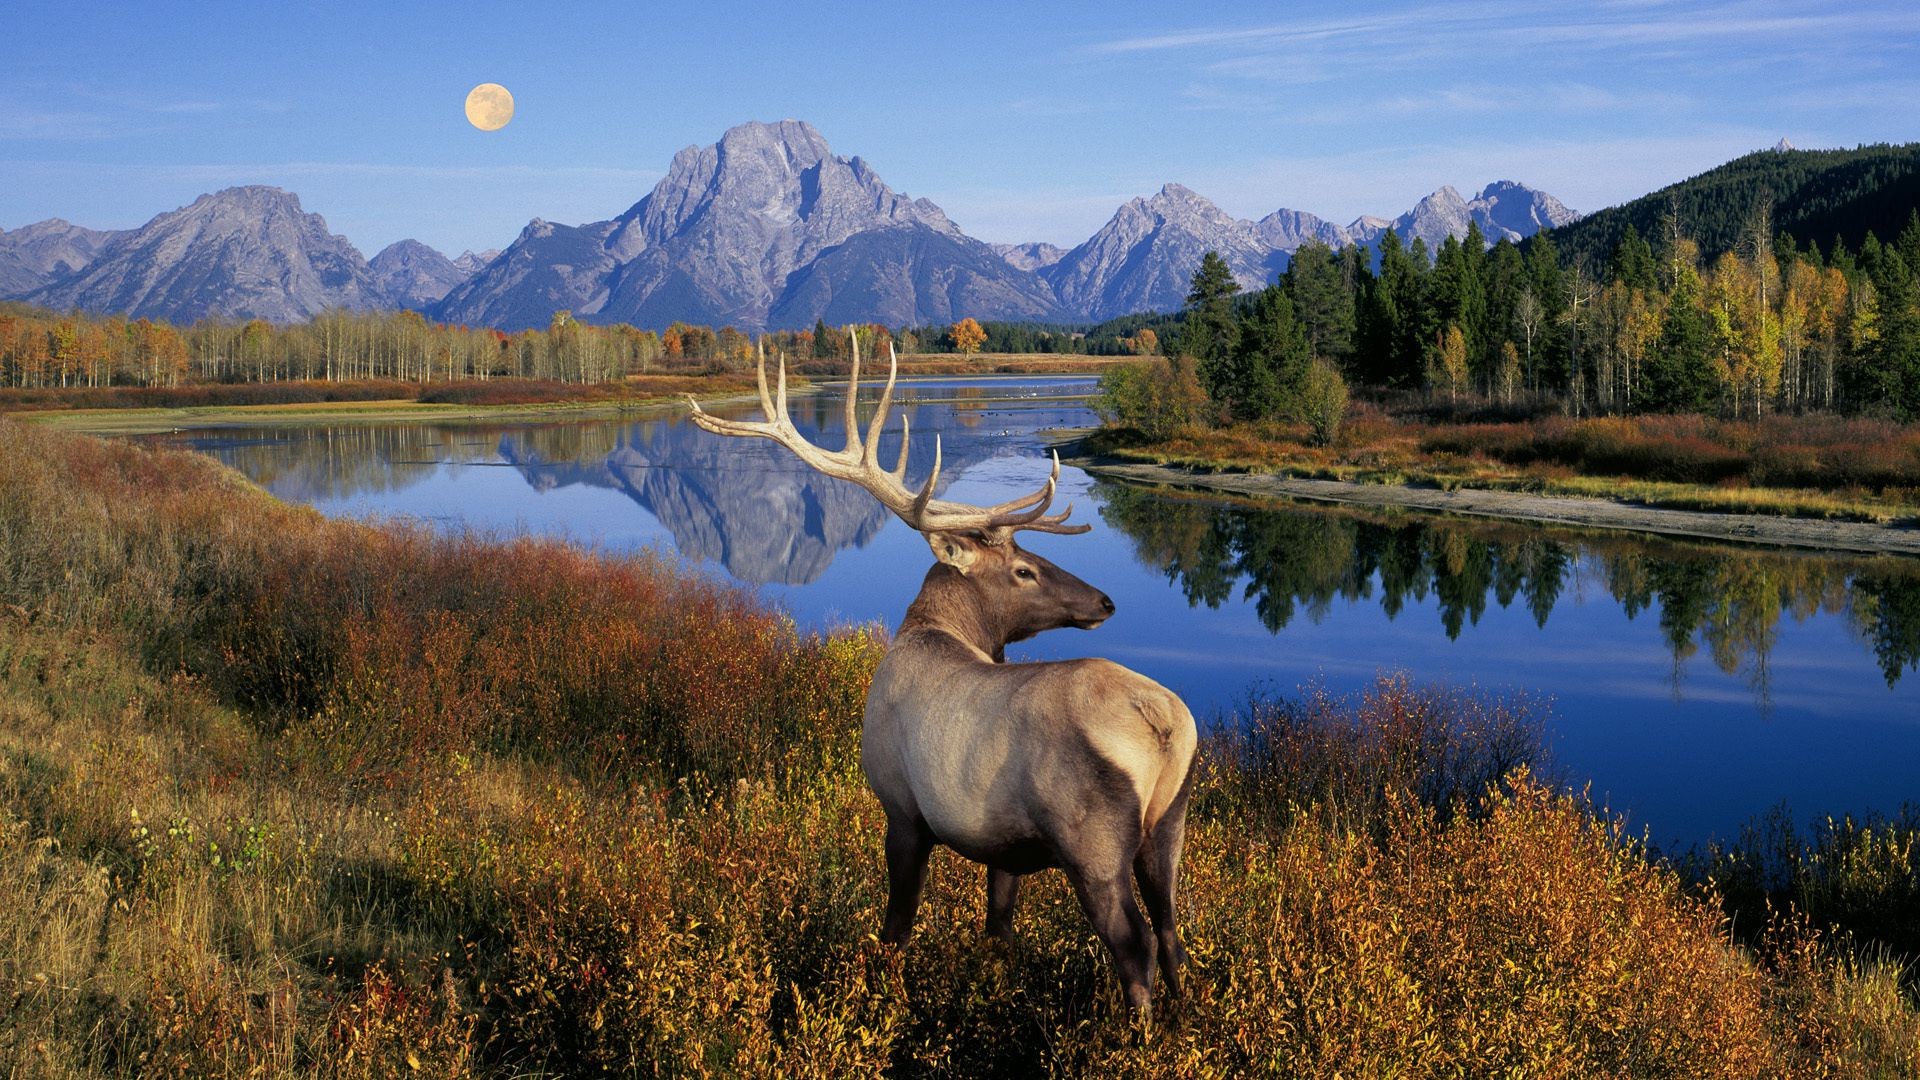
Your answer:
<point x="1766" y="326"/>
<point x="41" y="348"/>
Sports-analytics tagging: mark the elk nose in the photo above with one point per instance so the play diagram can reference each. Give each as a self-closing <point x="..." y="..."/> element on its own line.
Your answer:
<point x="1106" y="603"/>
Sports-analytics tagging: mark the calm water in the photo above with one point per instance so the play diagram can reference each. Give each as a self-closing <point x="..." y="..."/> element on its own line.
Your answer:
<point x="1694" y="685"/>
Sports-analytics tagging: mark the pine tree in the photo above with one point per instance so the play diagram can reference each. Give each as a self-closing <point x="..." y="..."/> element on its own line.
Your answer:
<point x="1209" y="331"/>
<point x="1269" y="362"/>
<point x="1322" y="300"/>
<point x="1679" y="368"/>
<point x="1633" y="264"/>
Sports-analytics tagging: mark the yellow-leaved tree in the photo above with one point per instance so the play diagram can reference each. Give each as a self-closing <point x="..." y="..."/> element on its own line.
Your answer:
<point x="967" y="336"/>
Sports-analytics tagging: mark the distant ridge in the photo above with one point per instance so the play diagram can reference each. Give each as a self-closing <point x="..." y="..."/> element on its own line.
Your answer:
<point x="416" y="276"/>
<point x="35" y="255"/>
<point x="1816" y="195"/>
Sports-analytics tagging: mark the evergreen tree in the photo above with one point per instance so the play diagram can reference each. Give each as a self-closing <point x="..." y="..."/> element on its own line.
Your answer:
<point x="1679" y="368"/>
<point x="1890" y="376"/>
<point x="1548" y="283"/>
<point x="1322" y="296"/>
<point x="1269" y="361"/>
<point x="1633" y="263"/>
<point x="1209" y="331"/>
<point x="1401" y="321"/>
<point x="1377" y="325"/>
<point x="1458" y="293"/>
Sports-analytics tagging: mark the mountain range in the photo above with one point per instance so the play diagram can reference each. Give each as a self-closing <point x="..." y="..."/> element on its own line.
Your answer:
<point x="766" y="228"/>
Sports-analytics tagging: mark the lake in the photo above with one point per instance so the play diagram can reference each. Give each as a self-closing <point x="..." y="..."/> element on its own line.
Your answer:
<point x="1693" y="685"/>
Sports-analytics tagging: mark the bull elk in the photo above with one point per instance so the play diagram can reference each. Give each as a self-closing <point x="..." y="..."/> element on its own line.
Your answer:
<point x="1077" y="764"/>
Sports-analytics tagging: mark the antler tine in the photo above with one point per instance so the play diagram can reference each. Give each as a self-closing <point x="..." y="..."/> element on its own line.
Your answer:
<point x="780" y="399"/>
<point x="1043" y="495"/>
<point x="760" y="376"/>
<point x="853" y="397"/>
<point x="921" y="501"/>
<point x="900" y="467"/>
<point x="879" y="422"/>
<point x="1035" y="517"/>
<point x="1018" y="518"/>
<point x="1055" y="524"/>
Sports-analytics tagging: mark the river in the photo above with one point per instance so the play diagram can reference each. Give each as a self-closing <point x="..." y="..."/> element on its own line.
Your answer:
<point x="1693" y="685"/>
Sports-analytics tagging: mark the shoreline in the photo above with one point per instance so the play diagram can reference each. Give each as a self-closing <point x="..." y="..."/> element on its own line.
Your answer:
<point x="130" y="422"/>
<point x="163" y="421"/>
<point x="1848" y="536"/>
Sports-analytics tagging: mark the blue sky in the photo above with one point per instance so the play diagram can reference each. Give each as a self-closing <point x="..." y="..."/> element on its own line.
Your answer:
<point x="1024" y="121"/>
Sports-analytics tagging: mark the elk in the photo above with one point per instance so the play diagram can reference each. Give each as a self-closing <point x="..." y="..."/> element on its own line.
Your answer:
<point x="1077" y="764"/>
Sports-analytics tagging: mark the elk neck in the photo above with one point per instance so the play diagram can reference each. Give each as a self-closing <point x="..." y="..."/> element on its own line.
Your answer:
<point x="953" y="604"/>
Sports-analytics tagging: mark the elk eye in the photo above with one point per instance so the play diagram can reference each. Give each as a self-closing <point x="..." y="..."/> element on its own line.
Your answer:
<point x="1023" y="574"/>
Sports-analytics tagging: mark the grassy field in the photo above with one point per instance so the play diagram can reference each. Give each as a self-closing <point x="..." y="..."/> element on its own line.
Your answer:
<point x="284" y="794"/>
<point x="135" y="411"/>
<point x="1822" y="467"/>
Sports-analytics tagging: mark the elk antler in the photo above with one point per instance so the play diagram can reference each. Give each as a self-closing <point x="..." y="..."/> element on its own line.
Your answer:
<point x="856" y="463"/>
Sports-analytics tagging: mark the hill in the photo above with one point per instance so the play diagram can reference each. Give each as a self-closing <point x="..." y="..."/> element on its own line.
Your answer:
<point x="1817" y="195"/>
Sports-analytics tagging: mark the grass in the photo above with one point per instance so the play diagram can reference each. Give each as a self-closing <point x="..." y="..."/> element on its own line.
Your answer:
<point x="283" y="794"/>
<point x="128" y="410"/>
<point x="1818" y="467"/>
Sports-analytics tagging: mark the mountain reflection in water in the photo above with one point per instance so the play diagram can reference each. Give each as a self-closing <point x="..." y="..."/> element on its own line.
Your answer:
<point x="745" y="504"/>
<point x="1728" y="600"/>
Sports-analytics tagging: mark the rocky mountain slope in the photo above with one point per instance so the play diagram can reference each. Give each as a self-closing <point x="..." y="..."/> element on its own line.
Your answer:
<point x="749" y="232"/>
<point x="416" y="276"/>
<point x="1144" y="257"/>
<point x="33" y="256"/>
<point x="245" y="251"/>
<point x="1504" y="210"/>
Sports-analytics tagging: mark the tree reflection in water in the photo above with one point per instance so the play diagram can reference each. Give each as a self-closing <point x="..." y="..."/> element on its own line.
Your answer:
<point x="1729" y="600"/>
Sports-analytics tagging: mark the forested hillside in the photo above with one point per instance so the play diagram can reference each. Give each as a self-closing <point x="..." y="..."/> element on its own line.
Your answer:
<point x="1815" y="196"/>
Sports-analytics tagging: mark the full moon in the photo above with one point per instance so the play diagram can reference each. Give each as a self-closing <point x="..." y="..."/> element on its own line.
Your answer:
<point x="489" y="106"/>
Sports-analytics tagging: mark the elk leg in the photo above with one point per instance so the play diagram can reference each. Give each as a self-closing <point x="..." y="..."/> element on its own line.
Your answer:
<point x="1110" y="907"/>
<point x="1003" y="888"/>
<point x="1157" y="867"/>
<point x="908" y="845"/>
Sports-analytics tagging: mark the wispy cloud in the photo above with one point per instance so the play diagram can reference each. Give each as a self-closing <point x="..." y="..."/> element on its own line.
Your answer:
<point x="213" y="172"/>
<point x="58" y="124"/>
<point x="1388" y="34"/>
<point x="70" y="112"/>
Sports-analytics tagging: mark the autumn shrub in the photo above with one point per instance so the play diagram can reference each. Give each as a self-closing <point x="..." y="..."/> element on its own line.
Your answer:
<point x="1156" y="397"/>
<point x="1779" y="451"/>
<point x="1853" y="880"/>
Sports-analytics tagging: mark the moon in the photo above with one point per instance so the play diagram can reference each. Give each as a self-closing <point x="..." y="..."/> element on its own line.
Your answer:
<point x="489" y="106"/>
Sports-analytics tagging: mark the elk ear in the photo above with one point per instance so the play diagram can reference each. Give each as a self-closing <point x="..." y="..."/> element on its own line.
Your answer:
<point x="957" y="549"/>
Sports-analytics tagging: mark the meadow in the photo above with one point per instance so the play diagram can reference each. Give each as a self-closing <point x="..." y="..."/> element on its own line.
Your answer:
<point x="280" y="794"/>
